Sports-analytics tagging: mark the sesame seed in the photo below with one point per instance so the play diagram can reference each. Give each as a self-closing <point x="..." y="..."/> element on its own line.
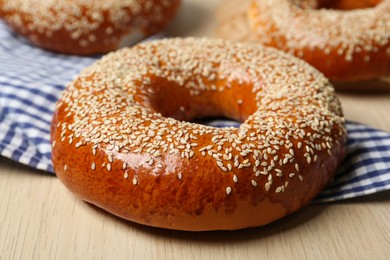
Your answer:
<point x="267" y="186"/>
<point x="229" y="166"/>
<point x="228" y="190"/>
<point x="279" y="189"/>
<point x="254" y="183"/>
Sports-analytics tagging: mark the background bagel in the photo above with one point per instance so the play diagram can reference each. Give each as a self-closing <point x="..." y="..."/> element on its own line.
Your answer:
<point x="347" y="40"/>
<point x="86" y="27"/>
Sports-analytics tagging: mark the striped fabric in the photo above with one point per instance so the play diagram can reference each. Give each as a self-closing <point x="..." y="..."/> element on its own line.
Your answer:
<point x="366" y="169"/>
<point x="31" y="80"/>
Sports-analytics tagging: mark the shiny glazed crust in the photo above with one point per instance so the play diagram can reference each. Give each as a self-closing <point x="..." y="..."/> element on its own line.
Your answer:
<point x="120" y="142"/>
<point x="344" y="43"/>
<point x="86" y="27"/>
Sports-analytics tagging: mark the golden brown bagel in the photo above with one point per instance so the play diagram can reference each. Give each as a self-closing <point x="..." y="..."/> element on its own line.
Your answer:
<point x="347" y="40"/>
<point x="119" y="142"/>
<point x="86" y="27"/>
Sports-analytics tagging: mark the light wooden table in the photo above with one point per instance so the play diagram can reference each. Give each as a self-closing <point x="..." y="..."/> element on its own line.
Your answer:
<point x="40" y="219"/>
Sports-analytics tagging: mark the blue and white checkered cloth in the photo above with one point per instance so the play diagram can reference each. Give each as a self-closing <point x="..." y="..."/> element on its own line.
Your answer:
<point x="32" y="79"/>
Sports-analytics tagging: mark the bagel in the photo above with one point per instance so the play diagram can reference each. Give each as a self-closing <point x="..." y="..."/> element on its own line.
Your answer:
<point x="347" y="40"/>
<point x="86" y="27"/>
<point x="122" y="137"/>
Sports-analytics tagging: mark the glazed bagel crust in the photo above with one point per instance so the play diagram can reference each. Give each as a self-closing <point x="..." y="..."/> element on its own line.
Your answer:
<point x="120" y="142"/>
<point x="86" y="27"/>
<point x="345" y="45"/>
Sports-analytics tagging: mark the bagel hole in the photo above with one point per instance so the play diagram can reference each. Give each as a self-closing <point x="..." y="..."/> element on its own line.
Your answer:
<point x="220" y="122"/>
<point x="213" y="108"/>
<point x="346" y="5"/>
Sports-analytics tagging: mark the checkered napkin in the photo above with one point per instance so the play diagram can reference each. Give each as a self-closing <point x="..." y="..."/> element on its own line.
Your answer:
<point x="31" y="80"/>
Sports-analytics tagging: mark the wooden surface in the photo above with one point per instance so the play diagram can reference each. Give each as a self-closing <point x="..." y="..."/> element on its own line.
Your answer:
<point x="40" y="219"/>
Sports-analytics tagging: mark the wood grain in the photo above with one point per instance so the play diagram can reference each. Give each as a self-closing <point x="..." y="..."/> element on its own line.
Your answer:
<point x="40" y="219"/>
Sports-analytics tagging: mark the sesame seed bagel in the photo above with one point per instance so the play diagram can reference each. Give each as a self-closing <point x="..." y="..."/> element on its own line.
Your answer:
<point x="122" y="139"/>
<point x="347" y="40"/>
<point x="86" y="27"/>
